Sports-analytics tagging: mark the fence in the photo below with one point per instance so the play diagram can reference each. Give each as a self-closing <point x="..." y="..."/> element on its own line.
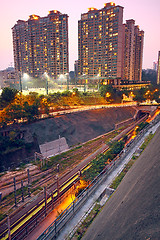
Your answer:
<point x="53" y="230"/>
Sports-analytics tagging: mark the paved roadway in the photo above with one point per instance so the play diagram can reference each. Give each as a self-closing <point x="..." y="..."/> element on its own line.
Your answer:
<point x="133" y="212"/>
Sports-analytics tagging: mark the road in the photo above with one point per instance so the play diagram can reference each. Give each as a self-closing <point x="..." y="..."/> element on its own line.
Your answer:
<point x="89" y="107"/>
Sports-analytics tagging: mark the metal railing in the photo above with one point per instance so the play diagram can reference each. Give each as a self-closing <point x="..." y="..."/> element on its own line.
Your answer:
<point x="53" y="230"/>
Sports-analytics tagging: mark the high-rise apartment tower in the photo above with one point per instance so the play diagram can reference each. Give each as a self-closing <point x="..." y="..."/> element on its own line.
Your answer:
<point x="100" y="36"/>
<point x="41" y="45"/>
<point x="107" y="48"/>
<point x="133" y="51"/>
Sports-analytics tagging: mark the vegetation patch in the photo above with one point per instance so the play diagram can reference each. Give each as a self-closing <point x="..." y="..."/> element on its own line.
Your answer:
<point x="147" y="140"/>
<point x="99" y="163"/>
<point x="119" y="178"/>
<point x="86" y="223"/>
<point x="141" y="126"/>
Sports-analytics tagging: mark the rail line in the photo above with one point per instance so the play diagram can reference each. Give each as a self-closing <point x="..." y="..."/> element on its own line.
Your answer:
<point x="52" y="198"/>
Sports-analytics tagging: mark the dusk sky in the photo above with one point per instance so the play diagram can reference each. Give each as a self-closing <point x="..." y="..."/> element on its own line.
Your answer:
<point x="144" y="12"/>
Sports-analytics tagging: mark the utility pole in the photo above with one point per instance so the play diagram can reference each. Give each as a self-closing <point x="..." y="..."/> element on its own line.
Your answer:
<point x="29" y="193"/>
<point x="22" y="190"/>
<point x="58" y="168"/>
<point x="45" y="199"/>
<point x="52" y="200"/>
<point x="9" y="228"/>
<point x="57" y="178"/>
<point x="67" y="81"/>
<point x="20" y="81"/>
<point x="15" y="200"/>
<point x="47" y="85"/>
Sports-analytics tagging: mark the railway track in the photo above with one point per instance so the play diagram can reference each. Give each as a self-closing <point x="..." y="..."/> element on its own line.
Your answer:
<point x="37" y="207"/>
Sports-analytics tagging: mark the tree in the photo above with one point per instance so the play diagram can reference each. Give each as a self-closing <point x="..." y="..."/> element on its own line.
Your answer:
<point x="8" y="95"/>
<point x="14" y="112"/>
<point x="31" y="111"/>
<point x="111" y="94"/>
<point x="139" y="95"/>
<point x="149" y="75"/>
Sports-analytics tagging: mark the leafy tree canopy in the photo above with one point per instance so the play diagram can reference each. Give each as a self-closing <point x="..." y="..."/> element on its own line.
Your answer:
<point x="8" y="95"/>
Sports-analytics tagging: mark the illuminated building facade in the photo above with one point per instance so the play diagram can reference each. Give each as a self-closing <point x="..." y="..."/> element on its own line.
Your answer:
<point x="158" y="69"/>
<point x="138" y="53"/>
<point x="128" y="50"/>
<point x="107" y="48"/>
<point x="100" y="36"/>
<point x="41" y="45"/>
<point x="133" y="51"/>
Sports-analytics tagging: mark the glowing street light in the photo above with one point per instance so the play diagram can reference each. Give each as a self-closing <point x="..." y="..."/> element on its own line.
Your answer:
<point x="108" y="95"/>
<point x="25" y="79"/>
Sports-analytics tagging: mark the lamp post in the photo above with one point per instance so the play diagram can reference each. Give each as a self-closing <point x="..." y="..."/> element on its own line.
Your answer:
<point x="61" y="78"/>
<point x="47" y="86"/>
<point x="25" y="79"/>
<point x="46" y="75"/>
<point x="83" y="77"/>
<point x="20" y="81"/>
<point x="67" y="75"/>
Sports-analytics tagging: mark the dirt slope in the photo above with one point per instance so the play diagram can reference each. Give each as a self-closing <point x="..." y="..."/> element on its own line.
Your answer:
<point x="79" y="127"/>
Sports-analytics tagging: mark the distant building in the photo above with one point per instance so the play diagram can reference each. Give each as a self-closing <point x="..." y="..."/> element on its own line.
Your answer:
<point x="71" y="77"/>
<point x="41" y="45"/>
<point x="158" y="69"/>
<point x="76" y="68"/>
<point x="109" y="50"/>
<point x="8" y="78"/>
<point x="155" y="64"/>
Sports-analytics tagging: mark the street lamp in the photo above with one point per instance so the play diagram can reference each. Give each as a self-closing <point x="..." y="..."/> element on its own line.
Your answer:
<point x="83" y="76"/>
<point x="61" y="77"/>
<point x="20" y="81"/>
<point x="25" y="78"/>
<point x="47" y="77"/>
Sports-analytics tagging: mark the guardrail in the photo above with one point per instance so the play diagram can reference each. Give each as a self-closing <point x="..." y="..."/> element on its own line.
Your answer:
<point x="53" y="230"/>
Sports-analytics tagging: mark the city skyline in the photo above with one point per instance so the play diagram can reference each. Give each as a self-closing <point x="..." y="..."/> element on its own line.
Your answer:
<point x="145" y="13"/>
